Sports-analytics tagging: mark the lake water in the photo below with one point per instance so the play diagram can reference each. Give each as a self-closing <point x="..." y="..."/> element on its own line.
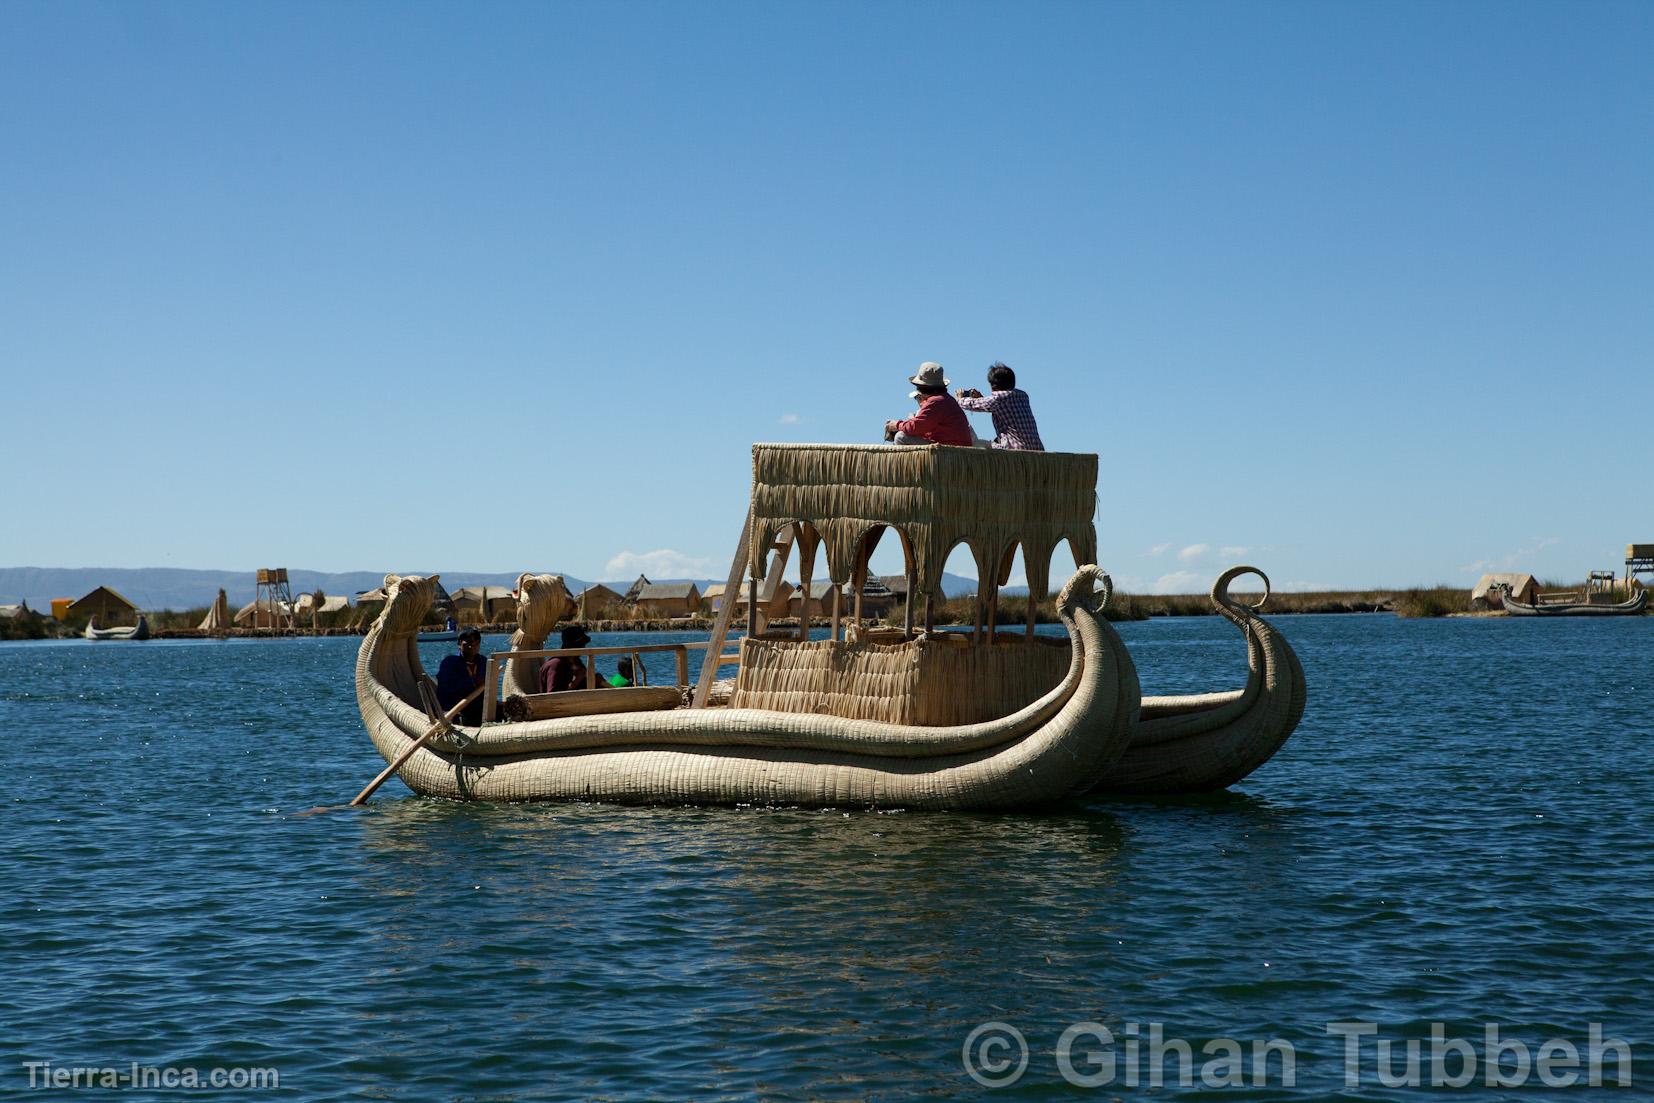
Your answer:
<point x="1458" y="834"/>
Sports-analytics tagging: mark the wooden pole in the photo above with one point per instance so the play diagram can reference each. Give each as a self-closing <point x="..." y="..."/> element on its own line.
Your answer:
<point x="838" y="610"/>
<point x="396" y="763"/>
<point x="726" y="612"/>
<point x="683" y="666"/>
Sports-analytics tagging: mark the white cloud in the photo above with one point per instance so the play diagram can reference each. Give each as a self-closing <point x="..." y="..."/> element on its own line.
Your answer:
<point x="1300" y="586"/>
<point x="789" y="419"/>
<point x="1194" y="552"/>
<point x="1180" y="582"/>
<point x="1159" y="549"/>
<point x="1511" y="560"/>
<point x="1232" y="551"/>
<point x="661" y="563"/>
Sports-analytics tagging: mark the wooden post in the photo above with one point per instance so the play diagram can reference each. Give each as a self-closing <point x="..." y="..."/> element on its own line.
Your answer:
<point x="726" y="611"/>
<point x="907" y="613"/>
<point x="491" y="681"/>
<point x="591" y="669"/>
<point x="752" y="607"/>
<point x="683" y="666"/>
<point x="930" y="616"/>
<point x="838" y="610"/>
<point x="993" y="613"/>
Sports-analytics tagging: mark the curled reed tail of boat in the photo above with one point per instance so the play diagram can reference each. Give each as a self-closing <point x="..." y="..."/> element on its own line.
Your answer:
<point x="1202" y="742"/>
<point x="1037" y="756"/>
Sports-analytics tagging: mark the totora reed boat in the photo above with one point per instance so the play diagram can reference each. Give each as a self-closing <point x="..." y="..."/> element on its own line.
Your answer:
<point x="139" y="631"/>
<point x="898" y="717"/>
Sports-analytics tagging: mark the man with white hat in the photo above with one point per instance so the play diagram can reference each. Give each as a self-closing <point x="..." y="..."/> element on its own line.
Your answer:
<point x="940" y="419"/>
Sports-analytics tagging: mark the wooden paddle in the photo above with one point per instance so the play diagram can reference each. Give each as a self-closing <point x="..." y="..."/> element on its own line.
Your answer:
<point x="407" y="753"/>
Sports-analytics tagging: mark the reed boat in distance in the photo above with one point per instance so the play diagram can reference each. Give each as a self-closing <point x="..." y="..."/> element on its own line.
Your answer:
<point x="1631" y="607"/>
<point x="892" y="717"/>
<point x="139" y="631"/>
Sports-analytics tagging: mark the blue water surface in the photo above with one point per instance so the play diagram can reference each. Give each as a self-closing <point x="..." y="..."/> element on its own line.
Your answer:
<point x="1456" y="835"/>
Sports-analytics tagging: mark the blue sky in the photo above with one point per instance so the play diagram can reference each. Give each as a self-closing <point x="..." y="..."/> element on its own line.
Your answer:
<point x="1358" y="292"/>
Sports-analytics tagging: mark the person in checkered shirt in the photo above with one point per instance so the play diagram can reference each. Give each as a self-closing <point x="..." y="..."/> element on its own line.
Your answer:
<point x="1013" y="418"/>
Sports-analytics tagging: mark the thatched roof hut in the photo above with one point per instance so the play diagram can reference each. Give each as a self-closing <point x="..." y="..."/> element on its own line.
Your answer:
<point x="484" y="604"/>
<point x="595" y="602"/>
<point x="818" y="602"/>
<point x="264" y="613"/>
<point x="218" y="617"/>
<point x="668" y="599"/>
<point x="111" y="609"/>
<point x="1487" y="595"/>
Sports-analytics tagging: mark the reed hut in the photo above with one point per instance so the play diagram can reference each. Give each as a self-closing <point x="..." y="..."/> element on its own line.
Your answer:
<point x="712" y="598"/>
<point x="264" y="613"/>
<point x="484" y="604"/>
<point x="218" y="617"/>
<point x="1488" y="592"/>
<point x="667" y="599"/>
<point x="368" y="605"/>
<point x="818" y="602"/>
<point x="776" y="608"/>
<point x="596" y="602"/>
<point x="111" y="609"/>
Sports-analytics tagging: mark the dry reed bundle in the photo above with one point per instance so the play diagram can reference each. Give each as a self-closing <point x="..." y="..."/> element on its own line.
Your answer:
<point x="931" y="683"/>
<point x="935" y="498"/>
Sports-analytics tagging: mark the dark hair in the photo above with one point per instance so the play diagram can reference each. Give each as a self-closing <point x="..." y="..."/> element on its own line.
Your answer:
<point x="1000" y="377"/>
<point x="470" y="634"/>
<point x="922" y="389"/>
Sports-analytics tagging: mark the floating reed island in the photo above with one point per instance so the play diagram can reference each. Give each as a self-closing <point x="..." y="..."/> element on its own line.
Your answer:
<point x="894" y="717"/>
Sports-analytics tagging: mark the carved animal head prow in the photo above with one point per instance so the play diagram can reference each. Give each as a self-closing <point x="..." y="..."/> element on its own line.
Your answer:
<point x="407" y="597"/>
<point x="542" y="601"/>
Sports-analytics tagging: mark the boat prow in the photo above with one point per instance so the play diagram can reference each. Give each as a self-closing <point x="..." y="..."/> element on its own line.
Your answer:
<point x="1202" y="742"/>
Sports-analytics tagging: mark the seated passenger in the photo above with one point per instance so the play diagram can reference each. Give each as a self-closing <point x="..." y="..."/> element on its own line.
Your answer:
<point x="624" y="677"/>
<point x="1014" y="426"/>
<point x="939" y="420"/>
<point x="562" y="672"/>
<point x="460" y="674"/>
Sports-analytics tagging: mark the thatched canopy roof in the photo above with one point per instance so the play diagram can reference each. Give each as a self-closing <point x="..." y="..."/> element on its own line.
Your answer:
<point x="935" y="497"/>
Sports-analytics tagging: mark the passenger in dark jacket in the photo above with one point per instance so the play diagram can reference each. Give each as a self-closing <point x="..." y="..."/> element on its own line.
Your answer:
<point x="460" y="674"/>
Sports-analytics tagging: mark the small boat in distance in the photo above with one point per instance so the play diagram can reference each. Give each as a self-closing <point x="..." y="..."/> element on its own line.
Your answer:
<point x="139" y="631"/>
<point x="1628" y="608"/>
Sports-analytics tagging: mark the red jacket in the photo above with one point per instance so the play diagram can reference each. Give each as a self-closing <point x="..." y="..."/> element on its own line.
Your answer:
<point x="939" y="419"/>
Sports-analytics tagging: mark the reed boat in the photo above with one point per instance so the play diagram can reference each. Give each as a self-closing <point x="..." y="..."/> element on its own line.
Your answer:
<point x="872" y="716"/>
<point x="1628" y="608"/>
<point x="139" y="631"/>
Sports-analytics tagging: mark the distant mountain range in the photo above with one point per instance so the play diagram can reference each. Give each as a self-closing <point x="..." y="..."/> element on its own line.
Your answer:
<point x="180" y="588"/>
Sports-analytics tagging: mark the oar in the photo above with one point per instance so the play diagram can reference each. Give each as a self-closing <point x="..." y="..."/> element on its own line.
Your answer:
<point x="396" y="763"/>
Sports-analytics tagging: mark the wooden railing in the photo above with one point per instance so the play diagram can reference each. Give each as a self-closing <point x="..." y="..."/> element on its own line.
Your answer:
<point x="634" y="651"/>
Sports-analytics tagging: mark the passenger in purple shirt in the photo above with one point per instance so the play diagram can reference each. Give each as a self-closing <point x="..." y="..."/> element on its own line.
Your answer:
<point x="1014" y="426"/>
<point x="562" y="672"/>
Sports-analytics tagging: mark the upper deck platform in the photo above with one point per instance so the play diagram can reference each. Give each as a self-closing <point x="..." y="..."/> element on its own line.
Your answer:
<point x="936" y="497"/>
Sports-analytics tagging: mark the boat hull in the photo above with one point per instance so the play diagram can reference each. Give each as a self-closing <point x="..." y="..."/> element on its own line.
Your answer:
<point x="1631" y="608"/>
<point x="139" y="631"/>
<point x="1054" y="748"/>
